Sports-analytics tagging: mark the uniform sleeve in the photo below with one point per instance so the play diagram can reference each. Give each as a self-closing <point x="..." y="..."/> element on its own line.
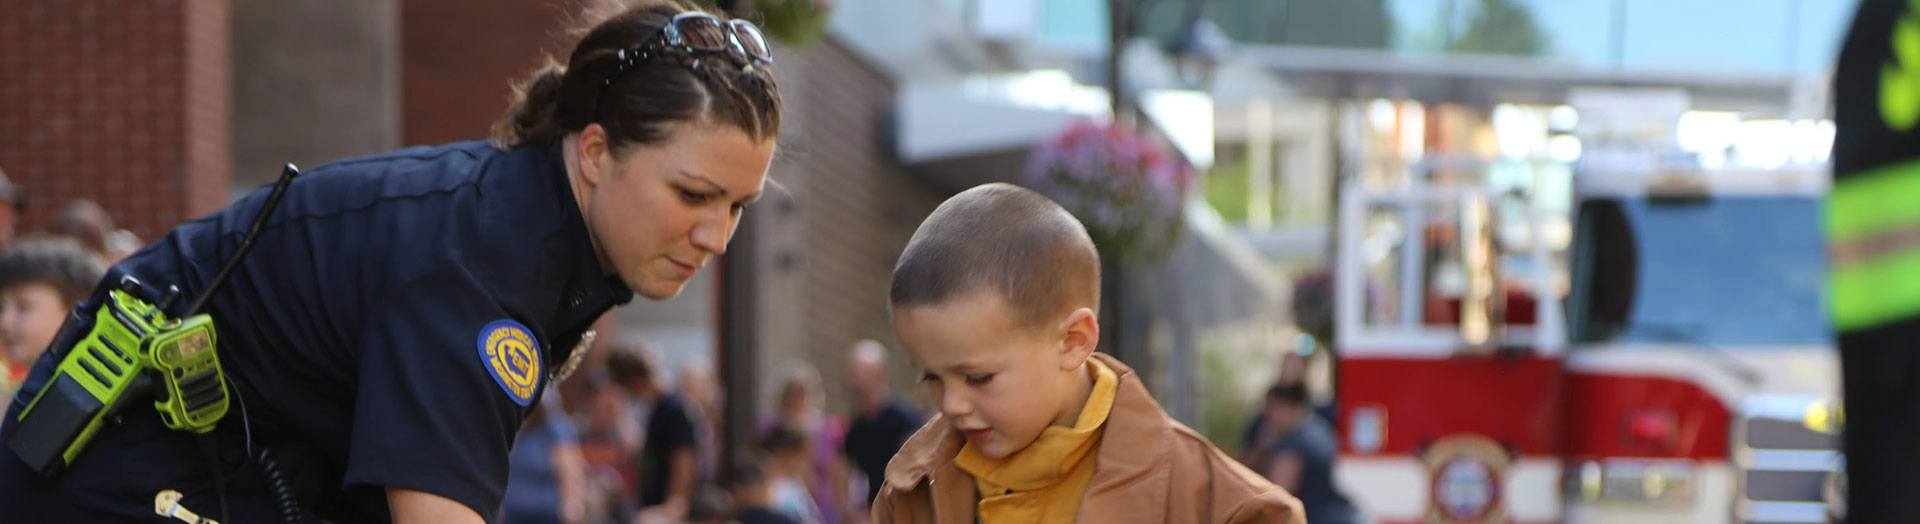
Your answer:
<point x="445" y="381"/>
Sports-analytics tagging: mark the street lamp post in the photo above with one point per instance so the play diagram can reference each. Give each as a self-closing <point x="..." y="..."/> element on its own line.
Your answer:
<point x="1198" y="51"/>
<point x="1200" y="46"/>
<point x="1119" y="29"/>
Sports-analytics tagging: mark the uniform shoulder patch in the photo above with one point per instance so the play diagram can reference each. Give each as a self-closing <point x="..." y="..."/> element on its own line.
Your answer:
<point x="512" y="356"/>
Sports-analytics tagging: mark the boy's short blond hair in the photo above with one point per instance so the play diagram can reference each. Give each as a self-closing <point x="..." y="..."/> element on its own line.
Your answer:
<point x="1003" y="238"/>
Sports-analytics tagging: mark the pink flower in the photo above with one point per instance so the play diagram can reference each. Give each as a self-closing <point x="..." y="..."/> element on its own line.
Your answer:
<point x="1125" y="187"/>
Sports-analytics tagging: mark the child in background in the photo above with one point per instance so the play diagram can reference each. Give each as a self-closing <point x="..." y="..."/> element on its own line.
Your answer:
<point x="752" y="497"/>
<point x="789" y="459"/>
<point x="41" y="279"/>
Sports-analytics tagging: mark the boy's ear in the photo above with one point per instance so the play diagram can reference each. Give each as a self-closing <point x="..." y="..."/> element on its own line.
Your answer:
<point x="1080" y="334"/>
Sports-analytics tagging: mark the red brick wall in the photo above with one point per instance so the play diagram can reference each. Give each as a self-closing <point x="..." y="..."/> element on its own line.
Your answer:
<point x="460" y="57"/>
<point x="122" y="102"/>
<point x="209" y="106"/>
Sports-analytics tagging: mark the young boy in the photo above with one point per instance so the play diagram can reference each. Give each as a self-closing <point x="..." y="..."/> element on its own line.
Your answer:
<point x="41" y="278"/>
<point x="995" y="298"/>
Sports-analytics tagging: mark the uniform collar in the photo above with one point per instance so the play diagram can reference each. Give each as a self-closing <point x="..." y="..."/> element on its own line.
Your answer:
<point x="588" y="284"/>
<point x="589" y="291"/>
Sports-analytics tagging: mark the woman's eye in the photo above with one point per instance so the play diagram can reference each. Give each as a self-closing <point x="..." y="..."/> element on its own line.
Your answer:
<point x="692" y="197"/>
<point x="929" y="377"/>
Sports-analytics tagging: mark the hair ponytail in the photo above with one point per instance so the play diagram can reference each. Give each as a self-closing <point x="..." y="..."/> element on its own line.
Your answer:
<point x="534" y="115"/>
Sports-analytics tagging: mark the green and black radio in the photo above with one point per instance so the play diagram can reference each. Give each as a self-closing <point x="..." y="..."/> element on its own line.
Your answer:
<point x="132" y="348"/>
<point x="121" y="345"/>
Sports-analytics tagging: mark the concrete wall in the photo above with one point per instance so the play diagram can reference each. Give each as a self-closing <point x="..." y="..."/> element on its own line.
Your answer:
<point x="314" y="81"/>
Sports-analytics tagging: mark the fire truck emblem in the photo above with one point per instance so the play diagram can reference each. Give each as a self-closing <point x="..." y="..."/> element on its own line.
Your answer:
<point x="1468" y="472"/>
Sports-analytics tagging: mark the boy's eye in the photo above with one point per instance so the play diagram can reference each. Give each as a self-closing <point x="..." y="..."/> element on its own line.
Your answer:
<point x="929" y="377"/>
<point x="692" y="197"/>
<point x="979" y="380"/>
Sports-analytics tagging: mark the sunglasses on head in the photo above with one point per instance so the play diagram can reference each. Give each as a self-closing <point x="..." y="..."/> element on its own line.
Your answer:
<point x="696" y="35"/>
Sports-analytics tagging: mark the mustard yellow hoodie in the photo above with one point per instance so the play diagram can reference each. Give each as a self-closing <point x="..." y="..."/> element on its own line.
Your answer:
<point x="1044" y="481"/>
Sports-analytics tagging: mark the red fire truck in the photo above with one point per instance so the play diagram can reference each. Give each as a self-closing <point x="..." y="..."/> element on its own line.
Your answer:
<point x="1673" y="364"/>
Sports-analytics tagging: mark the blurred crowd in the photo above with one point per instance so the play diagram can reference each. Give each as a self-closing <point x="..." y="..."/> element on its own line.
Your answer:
<point x="43" y="274"/>
<point x="640" y="447"/>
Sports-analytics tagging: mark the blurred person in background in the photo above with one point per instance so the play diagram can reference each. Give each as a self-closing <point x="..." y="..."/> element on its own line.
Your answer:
<point x="710" y="506"/>
<point x="41" y="279"/>
<point x="546" y="476"/>
<point x="1262" y="431"/>
<point x="403" y="310"/>
<point x="610" y="441"/>
<point x="705" y="405"/>
<point x="1870" y="223"/>
<point x="789" y="464"/>
<point x="13" y="202"/>
<point x="752" y="494"/>
<point x="87" y="222"/>
<point x="802" y="407"/>
<point x="1301" y="457"/>
<point x="881" y="421"/>
<point x="669" y="459"/>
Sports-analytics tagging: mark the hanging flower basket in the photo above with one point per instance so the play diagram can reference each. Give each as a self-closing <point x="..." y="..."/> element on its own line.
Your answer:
<point x="793" y="22"/>
<point x="1126" y="188"/>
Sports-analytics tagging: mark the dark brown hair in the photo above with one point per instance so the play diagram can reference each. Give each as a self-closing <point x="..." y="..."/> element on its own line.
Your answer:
<point x="640" y="105"/>
<point x="783" y="439"/>
<point x="55" y="261"/>
<point x="1006" y="239"/>
<point x="627" y="363"/>
<point x="86" y="222"/>
<point x="1289" y="392"/>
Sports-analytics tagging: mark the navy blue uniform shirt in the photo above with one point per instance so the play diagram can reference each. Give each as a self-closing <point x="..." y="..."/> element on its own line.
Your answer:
<point x="399" y="312"/>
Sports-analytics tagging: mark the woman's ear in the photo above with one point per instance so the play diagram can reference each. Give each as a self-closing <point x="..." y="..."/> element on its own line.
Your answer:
<point x="1080" y="334"/>
<point x="594" y="154"/>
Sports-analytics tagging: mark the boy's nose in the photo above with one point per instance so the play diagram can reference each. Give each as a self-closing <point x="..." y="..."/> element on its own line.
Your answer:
<point x="953" y="405"/>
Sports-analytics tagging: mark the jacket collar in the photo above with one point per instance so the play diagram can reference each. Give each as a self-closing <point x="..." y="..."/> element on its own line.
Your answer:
<point x="1129" y="476"/>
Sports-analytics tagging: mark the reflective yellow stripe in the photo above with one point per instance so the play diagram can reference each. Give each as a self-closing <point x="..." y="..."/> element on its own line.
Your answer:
<point x="1876" y="264"/>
